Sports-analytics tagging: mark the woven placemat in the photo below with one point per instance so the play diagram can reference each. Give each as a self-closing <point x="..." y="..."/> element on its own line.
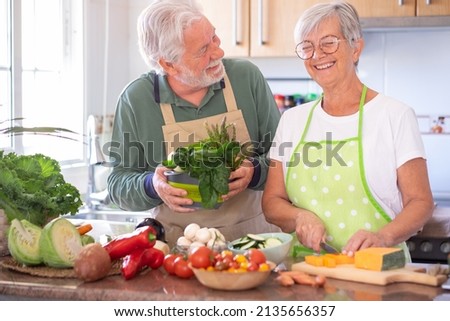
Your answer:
<point x="49" y="272"/>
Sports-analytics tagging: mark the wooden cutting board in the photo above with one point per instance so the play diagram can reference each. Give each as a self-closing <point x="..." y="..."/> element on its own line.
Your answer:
<point x="349" y="272"/>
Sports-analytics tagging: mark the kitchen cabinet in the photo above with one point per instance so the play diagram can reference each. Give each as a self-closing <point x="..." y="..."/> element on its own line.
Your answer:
<point x="265" y="28"/>
<point x="433" y="8"/>
<point x="255" y="28"/>
<point x="231" y="20"/>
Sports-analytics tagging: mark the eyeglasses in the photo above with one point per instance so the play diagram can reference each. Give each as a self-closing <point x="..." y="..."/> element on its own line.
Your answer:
<point x="328" y="44"/>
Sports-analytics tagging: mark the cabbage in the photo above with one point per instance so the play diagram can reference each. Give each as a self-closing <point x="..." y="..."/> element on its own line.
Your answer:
<point x="23" y="242"/>
<point x="60" y="243"/>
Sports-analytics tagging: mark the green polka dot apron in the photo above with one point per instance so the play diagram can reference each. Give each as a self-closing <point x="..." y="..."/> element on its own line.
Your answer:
<point x="328" y="179"/>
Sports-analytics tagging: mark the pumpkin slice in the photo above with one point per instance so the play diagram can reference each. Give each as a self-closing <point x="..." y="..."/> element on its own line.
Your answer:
<point x="380" y="258"/>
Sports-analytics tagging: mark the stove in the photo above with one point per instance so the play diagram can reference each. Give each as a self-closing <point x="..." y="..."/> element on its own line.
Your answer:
<point x="432" y="244"/>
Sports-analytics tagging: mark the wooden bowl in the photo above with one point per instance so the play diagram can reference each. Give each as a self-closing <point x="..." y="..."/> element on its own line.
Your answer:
<point x="232" y="281"/>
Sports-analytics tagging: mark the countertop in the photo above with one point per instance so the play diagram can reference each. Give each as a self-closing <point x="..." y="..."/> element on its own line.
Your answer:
<point x="157" y="285"/>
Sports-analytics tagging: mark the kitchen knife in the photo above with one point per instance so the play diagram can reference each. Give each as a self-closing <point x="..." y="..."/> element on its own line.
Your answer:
<point x="328" y="248"/>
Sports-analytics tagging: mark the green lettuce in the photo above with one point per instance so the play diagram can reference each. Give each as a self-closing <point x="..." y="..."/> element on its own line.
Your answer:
<point x="33" y="188"/>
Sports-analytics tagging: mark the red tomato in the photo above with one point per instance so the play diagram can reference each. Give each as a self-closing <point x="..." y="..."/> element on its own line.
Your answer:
<point x="169" y="261"/>
<point x="255" y="256"/>
<point x="252" y="266"/>
<point x="182" y="268"/>
<point x="201" y="257"/>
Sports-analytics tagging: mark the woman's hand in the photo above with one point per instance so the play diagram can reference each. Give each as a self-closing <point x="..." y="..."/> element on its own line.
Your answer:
<point x="363" y="239"/>
<point x="173" y="197"/>
<point x="310" y="230"/>
<point x="239" y="179"/>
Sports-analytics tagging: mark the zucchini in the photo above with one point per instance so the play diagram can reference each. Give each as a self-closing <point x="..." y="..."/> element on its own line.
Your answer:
<point x="255" y="241"/>
<point x="255" y="237"/>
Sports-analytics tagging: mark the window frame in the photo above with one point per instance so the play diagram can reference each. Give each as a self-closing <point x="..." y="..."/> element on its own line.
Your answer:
<point x="73" y="26"/>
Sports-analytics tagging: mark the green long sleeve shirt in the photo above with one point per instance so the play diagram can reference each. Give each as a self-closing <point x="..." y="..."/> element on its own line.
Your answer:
<point x="137" y="145"/>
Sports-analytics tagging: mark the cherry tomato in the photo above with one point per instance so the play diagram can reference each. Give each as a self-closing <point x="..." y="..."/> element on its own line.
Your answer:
<point x="169" y="261"/>
<point x="252" y="266"/>
<point x="182" y="268"/>
<point x="256" y="256"/>
<point x="201" y="257"/>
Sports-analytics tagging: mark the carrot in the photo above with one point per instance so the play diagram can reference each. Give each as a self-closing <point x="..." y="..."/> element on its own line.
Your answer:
<point x="320" y="280"/>
<point x="291" y="273"/>
<point x="304" y="279"/>
<point x="284" y="280"/>
<point x="83" y="229"/>
<point x="300" y="277"/>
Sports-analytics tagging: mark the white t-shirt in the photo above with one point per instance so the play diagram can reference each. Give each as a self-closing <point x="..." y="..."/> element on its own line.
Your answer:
<point x="391" y="137"/>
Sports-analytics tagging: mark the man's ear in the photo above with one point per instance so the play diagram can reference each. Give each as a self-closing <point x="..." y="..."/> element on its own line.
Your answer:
<point x="168" y="67"/>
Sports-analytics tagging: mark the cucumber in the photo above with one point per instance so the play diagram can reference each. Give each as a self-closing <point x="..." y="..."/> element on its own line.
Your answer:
<point x="23" y="242"/>
<point x="255" y="241"/>
<point x="256" y="237"/>
<point x="272" y="241"/>
<point x="250" y="244"/>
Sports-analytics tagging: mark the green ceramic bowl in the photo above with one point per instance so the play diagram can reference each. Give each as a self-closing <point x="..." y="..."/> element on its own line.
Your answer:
<point x="189" y="184"/>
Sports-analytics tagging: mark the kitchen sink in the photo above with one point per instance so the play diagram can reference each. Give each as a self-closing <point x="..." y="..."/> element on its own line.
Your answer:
<point x="107" y="221"/>
<point x="110" y="214"/>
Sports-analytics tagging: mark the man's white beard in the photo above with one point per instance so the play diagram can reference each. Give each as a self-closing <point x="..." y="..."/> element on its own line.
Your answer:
<point x="188" y="78"/>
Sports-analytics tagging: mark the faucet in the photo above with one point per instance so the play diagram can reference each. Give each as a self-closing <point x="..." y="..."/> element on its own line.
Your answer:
<point x="95" y="158"/>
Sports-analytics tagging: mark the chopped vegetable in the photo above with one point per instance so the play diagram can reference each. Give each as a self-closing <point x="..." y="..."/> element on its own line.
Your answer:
<point x="23" y="242"/>
<point x="124" y="244"/>
<point x="33" y="188"/>
<point x="255" y="241"/>
<point x="380" y="258"/>
<point x="60" y="243"/>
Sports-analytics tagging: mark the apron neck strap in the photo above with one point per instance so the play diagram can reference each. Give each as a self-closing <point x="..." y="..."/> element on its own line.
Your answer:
<point x="230" y="102"/>
<point x="228" y="95"/>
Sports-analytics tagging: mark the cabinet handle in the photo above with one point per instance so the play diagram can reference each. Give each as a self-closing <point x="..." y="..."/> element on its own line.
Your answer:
<point x="400" y="2"/>
<point x="236" y="40"/>
<point x="261" y="23"/>
<point x="427" y="2"/>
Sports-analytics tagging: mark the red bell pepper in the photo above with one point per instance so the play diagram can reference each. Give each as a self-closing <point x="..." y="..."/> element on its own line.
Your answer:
<point x="140" y="259"/>
<point x="141" y="238"/>
<point x="132" y="263"/>
<point x="153" y="258"/>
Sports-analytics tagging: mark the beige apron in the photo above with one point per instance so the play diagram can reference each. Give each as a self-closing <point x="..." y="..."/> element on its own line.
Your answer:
<point x="240" y="215"/>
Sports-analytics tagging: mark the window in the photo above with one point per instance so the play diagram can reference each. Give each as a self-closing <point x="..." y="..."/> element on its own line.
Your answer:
<point x="41" y="74"/>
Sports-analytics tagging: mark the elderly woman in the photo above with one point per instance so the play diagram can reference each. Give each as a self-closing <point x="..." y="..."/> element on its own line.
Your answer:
<point x="348" y="169"/>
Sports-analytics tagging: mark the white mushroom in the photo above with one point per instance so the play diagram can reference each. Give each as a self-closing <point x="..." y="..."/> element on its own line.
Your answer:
<point x="191" y="230"/>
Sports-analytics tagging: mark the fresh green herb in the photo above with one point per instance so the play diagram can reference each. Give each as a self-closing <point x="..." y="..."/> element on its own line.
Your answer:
<point x="211" y="161"/>
<point x="33" y="188"/>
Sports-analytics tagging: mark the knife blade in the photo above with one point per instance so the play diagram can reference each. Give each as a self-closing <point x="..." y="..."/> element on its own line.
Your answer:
<point x="328" y="248"/>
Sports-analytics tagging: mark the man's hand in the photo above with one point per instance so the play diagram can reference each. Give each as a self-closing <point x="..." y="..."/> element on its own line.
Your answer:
<point x="239" y="179"/>
<point x="173" y="197"/>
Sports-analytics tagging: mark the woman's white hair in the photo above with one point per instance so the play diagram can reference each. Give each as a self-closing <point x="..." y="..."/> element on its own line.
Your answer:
<point x="161" y="27"/>
<point x="312" y="17"/>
